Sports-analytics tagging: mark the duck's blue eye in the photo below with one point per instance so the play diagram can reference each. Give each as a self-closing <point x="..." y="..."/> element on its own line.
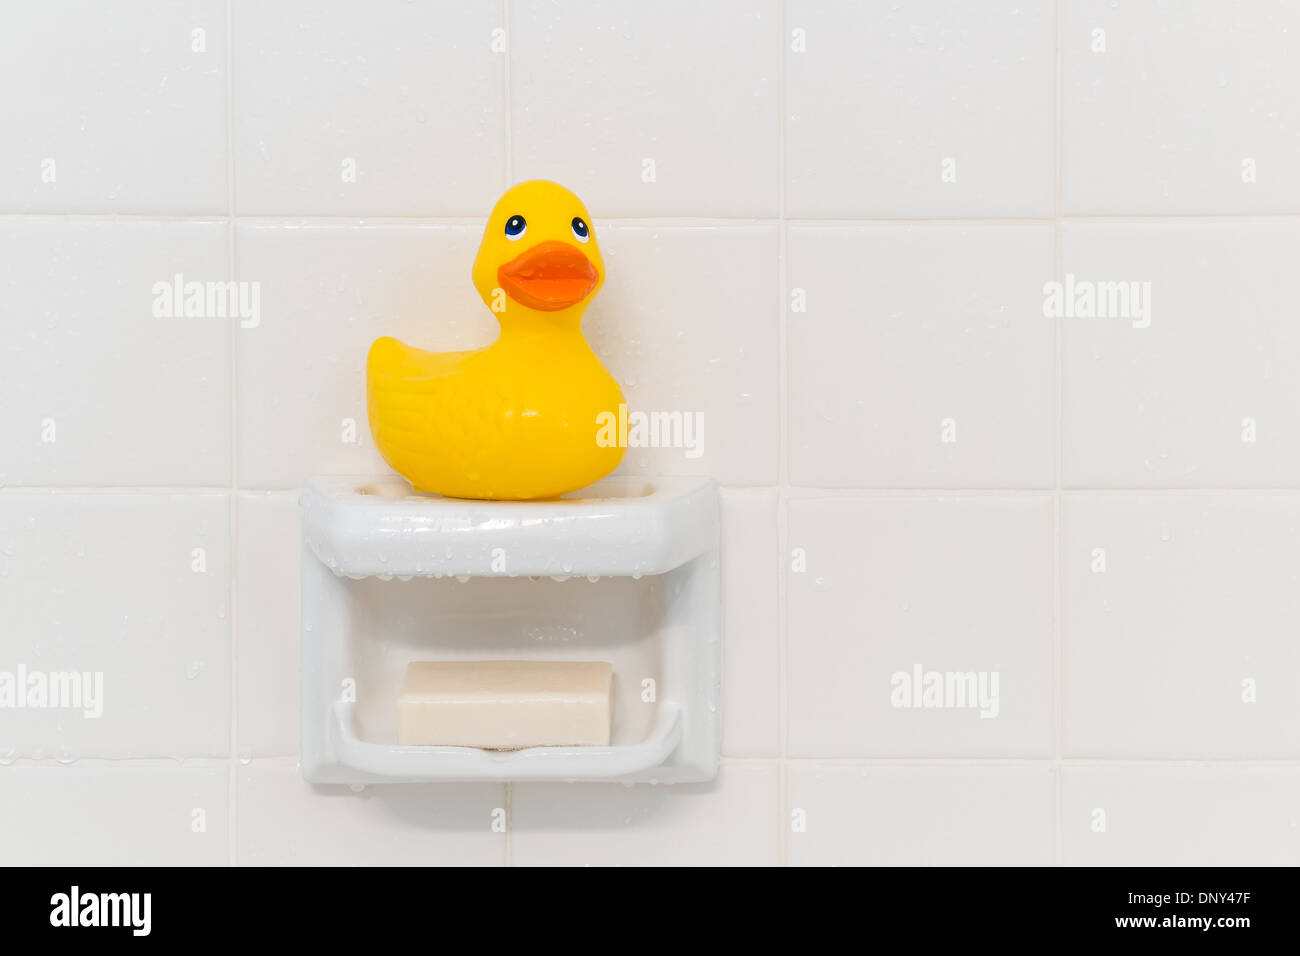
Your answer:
<point x="580" y="229"/>
<point x="516" y="227"/>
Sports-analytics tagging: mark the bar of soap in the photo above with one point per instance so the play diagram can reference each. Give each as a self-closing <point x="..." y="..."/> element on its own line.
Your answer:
<point x="505" y="705"/>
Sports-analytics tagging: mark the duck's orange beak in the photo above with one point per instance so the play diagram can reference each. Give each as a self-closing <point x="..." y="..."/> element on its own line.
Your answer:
<point x="548" y="277"/>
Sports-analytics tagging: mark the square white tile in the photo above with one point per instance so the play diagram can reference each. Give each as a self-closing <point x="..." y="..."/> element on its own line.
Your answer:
<point x="285" y="821"/>
<point x="1180" y="108"/>
<point x="907" y="110"/>
<point x="267" y="565"/>
<point x="733" y="821"/>
<point x="1179" y="616"/>
<point x="1180" y="816"/>
<point x="1200" y="385"/>
<point x="844" y="815"/>
<point x="751" y="579"/>
<point x="919" y="357"/>
<point x="116" y="815"/>
<point x="131" y="593"/>
<point x="105" y="380"/>
<point x="664" y="110"/>
<point x="688" y="322"/>
<point x="397" y="110"/>
<point x="920" y="627"/>
<point x="113" y="108"/>
<point x="329" y="291"/>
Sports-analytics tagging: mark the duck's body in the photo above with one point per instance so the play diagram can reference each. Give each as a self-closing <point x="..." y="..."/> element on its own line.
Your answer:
<point x="496" y="423"/>
<point x="520" y="418"/>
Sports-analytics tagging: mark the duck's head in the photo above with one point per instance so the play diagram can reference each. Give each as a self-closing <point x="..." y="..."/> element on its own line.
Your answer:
<point x="539" y="255"/>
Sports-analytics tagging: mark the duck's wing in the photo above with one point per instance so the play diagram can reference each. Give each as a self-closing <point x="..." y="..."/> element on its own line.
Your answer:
<point x="421" y="411"/>
<point x="403" y="386"/>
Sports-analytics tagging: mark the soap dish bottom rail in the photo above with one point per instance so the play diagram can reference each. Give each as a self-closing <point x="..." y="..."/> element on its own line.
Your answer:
<point x="412" y="764"/>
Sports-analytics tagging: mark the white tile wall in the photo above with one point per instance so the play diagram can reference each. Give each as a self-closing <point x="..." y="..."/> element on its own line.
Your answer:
<point x="756" y="172"/>
<point x="920" y="357"/>
<point x="1176" y="109"/>
<point x="729" y="822"/>
<point x="892" y="584"/>
<point x="125" y="814"/>
<point x="650" y="110"/>
<point x="1179" y="616"/>
<point x="113" y="113"/>
<point x="283" y="820"/>
<point x="1181" y="816"/>
<point x="751" y="583"/>
<point x="864" y="815"/>
<point x="1208" y="393"/>
<point x="98" y="390"/>
<point x="132" y="587"/>
<point x="340" y="112"/>
<point x="268" y="550"/>
<point x="918" y="110"/>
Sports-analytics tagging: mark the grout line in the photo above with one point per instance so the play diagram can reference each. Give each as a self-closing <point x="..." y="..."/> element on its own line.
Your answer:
<point x="508" y="109"/>
<point x="783" y="445"/>
<point x="1058" y="327"/>
<point x="808" y="491"/>
<point x="290" y="219"/>
<point x="1114" y="763"/>
<point x="508" y="103"/>
<point x="184" y="763"/>
<point x="793" y="492"/>
<point x="306" y="219"/>
<point x="233" y="504"/>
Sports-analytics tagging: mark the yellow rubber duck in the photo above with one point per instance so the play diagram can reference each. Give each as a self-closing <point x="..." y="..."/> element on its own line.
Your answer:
<point x="519" y="418"/>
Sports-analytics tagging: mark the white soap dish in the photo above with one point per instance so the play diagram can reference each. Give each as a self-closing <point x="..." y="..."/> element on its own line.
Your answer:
<point x="625" y="571"/>
<point x="532" y="763"/>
